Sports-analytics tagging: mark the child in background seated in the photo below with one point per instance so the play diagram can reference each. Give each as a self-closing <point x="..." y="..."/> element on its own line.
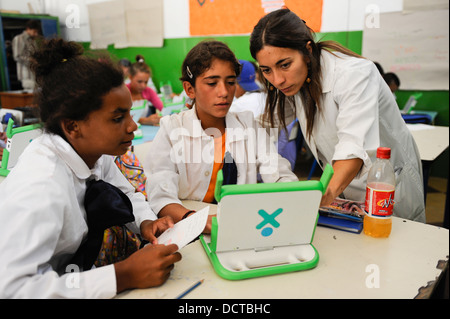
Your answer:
<point x="53" y="200"/>
<point x="140" y="74"/>
<point x="249" y="96"/>
<point x="192" y="146"/>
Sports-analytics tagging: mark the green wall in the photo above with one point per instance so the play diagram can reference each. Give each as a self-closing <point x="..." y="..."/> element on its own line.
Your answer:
<point x="166" y="64"/>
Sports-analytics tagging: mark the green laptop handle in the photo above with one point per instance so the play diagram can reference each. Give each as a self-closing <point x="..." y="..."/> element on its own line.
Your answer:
<point x="326" y="177"/>
<point x="218" y="189"/>
<point x="222" y="190"/>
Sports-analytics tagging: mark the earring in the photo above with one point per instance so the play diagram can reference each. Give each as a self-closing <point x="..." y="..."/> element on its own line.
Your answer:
<point x="308" y="80"/>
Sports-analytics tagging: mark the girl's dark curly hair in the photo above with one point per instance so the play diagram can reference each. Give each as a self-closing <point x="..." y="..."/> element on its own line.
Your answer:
<point x="70" y="85"/>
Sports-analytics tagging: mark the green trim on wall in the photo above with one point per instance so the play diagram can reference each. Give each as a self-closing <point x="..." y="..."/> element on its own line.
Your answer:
<point x="166" y="62"/>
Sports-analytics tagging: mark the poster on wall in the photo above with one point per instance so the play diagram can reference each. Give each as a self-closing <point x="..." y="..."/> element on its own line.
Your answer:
<point x="231" y="17"/>
<point x="106" y="23"/>
<point x="414" y="46"/>
<point x="126" y="23"/>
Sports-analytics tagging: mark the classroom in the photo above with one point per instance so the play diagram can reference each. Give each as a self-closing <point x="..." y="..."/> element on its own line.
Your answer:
<point x="224" y="252"/>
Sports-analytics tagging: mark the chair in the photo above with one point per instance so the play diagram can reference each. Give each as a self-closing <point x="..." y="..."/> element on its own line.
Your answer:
<point x="288" y="142"/>
<point x="16" y="115"/>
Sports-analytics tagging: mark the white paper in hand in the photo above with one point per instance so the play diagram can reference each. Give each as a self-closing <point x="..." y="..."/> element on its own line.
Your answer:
<point x="186" y="230"/>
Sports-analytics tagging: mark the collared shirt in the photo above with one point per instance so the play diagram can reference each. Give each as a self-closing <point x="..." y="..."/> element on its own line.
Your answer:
<point x="44" y="222"/>
<point x="180" y="161"/>
<point x="358" y="115"/>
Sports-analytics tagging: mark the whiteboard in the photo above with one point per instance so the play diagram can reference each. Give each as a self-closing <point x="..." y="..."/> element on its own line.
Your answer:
<point x="414" y="45"/>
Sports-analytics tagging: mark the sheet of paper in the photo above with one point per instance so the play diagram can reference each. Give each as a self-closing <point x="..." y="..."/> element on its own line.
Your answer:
<point x="186" y="230"/>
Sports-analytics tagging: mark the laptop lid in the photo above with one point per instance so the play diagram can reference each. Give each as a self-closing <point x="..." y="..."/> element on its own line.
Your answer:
<point x="18" y="140"/>
<point x="170" y="108"/>
<point x="137" y="109"/>
<point x="264" y="216"/>
<point x="411" y="103"/>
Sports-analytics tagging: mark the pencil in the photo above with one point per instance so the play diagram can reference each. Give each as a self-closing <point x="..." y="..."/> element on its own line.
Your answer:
<point x="198" y="283"/>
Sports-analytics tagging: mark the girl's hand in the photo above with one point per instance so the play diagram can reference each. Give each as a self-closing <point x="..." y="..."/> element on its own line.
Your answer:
<point x="150" y="229"/>
<point x="208" y="226"/>
<point x="150" y="120"/>
<point x="148" y="267"/>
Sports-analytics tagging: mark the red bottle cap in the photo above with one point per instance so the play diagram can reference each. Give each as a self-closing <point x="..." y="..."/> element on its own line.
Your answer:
<point x="384" y="152"/>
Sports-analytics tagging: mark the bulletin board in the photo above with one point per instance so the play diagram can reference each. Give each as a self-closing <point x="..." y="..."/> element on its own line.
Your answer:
<point x="414" y="45"/>
<point x="228" y="17"/>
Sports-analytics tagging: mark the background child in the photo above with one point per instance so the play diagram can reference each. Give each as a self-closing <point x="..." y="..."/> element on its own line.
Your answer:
<point x="50" y="224"/>
<point x="190" y="147"/>
<point x="140" y="75"/>
<point x="249" y="95"/>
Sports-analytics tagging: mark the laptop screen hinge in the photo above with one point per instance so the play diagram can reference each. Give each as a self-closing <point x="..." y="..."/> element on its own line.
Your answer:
<point x="258" y="249"/>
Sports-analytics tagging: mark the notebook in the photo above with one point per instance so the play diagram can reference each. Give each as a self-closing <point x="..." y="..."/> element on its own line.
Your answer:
<point x="18" y="140"/>
<point x="266" y="228"/>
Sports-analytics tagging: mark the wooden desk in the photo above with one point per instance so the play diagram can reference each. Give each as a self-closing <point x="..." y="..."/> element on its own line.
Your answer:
<point x="13" y="99"/>
<point x="405" y="262"/>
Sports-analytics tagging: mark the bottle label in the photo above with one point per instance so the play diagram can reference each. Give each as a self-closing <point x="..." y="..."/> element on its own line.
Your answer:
<point x="379" y="203"/>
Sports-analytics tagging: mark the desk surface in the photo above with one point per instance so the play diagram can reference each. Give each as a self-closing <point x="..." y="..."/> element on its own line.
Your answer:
<point x="431" y="140"/>
<point x="405" y="262"/>
<point x="148" y="134"/>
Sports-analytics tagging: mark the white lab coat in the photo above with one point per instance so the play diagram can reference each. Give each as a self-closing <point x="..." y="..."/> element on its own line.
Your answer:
<point x="181" y="158"/>
<point x="44" y="222"/>
<point x="359" y="114"/>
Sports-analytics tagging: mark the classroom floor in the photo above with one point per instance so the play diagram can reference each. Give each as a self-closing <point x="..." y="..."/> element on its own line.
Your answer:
<point x="437" y="188"/>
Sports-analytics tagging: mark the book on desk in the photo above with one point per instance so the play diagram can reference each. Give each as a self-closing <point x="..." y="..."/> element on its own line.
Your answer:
<point x="346" y="215"/>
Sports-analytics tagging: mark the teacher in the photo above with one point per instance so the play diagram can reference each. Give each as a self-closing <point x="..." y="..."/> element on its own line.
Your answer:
<point x="344" y="107"/>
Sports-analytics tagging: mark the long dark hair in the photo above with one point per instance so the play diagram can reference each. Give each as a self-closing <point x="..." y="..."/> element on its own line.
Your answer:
<point x="70" y="84"/>
<point x="283" y="28"/>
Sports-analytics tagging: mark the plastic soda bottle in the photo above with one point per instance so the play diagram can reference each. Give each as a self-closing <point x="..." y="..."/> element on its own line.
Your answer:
<point x="380" y="190"/>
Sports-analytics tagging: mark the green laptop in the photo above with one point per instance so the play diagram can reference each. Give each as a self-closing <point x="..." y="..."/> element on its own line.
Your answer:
<point x="266" y="228"/>
<point x="18" y="140"/>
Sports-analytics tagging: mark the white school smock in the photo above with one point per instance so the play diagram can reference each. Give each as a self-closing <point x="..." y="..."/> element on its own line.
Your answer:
<point x="181" y="158"/>
<point x="359" y="114"/>
<point x="44" y="222"/>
